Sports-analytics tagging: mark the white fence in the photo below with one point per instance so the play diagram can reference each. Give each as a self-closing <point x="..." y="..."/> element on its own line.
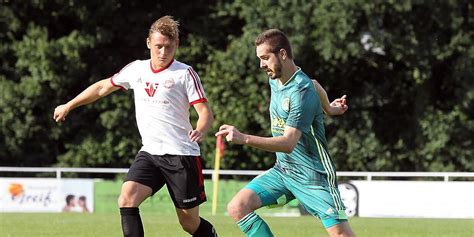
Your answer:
<point x="367" y="175"/>
<point x="372" y="197"/>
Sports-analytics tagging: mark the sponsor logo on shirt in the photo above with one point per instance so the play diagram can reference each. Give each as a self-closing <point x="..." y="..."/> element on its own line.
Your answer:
<point x="155" y="101"/>
<point x="278" y="124"/>
<point x="151" y="88"/>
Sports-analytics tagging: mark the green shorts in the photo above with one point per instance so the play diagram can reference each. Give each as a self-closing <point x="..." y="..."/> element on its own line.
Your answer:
<point x="275" y="188"/>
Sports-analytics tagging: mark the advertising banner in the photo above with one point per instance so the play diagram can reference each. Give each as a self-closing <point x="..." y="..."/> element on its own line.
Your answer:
<point x="429" y="199"/>
<point x="46" y="195"/>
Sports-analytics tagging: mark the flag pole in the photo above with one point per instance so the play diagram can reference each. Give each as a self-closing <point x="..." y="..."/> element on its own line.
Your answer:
<point x="215" y="176"/>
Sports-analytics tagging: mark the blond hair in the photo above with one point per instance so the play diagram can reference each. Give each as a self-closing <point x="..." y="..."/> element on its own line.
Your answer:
<point x="167" y="26"/>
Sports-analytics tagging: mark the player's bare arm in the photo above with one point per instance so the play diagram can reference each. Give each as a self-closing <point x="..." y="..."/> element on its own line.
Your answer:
<point x="337" y="107"/>
<point x="204" y="122"/>
<point x="89" y="95"/>
<point x="285" y="143"/>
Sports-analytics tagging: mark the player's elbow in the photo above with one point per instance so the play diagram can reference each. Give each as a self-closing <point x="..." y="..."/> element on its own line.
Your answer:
<point x="104" y="87"/>
<point x="288" y="143"/>
<point x="288" y="148"/>
<point x="103" y="91"/>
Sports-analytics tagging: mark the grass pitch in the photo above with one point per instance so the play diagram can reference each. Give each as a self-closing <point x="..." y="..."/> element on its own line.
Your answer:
<point x="108" y="224"/>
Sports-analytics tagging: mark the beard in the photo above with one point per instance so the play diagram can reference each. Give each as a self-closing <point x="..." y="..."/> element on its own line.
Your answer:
<point x="276" y="73"/>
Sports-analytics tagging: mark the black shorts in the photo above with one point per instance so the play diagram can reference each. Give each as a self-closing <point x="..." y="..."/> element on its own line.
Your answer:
<point x="181" y="174"/>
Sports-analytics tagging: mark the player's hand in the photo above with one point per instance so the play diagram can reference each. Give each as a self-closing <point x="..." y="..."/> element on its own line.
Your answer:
<point x="195" y="135"/>
<point x="60" y="113"/>
<point x="338" y="106"/>
<point x="231" y="134"/>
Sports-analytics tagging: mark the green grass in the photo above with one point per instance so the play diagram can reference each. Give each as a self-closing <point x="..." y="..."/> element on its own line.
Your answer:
<point x="107" y="192"/>
<point x="160" y="220"/>
<point x="108" y="224"/>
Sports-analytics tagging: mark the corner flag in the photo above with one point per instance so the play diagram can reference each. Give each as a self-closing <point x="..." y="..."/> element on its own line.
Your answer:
<point x="220" y="148"/>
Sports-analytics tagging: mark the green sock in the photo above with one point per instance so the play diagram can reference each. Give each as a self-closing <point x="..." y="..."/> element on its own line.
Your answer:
<point x="253" y="226"/>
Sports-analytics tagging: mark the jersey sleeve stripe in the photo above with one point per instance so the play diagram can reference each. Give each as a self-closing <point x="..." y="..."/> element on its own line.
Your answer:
<point x="113" y="83"/>
<point x="196" y="83"/>
<point x="202" y="100"/>
<point x="197" y="80"/>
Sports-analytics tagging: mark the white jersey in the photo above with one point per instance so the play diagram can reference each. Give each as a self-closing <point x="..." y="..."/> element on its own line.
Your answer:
<point x="162" y="101"/>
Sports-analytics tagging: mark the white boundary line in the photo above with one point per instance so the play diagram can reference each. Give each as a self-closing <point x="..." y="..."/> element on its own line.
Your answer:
<point x="368" y="175"/>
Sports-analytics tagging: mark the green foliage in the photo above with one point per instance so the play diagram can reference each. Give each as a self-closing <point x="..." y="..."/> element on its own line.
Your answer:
<point x="405" y="83"/>
<point x="409" y="84"/>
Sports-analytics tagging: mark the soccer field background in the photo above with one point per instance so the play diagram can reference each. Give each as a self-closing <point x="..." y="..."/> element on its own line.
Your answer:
<point x="160" y="220"/>
<point x="107" y="192"/>
<point x="108" y="224"/>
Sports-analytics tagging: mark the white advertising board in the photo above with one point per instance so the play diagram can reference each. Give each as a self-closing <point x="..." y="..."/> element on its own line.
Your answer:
<point x="46" y="195"/>
<point x="429" y="199"/>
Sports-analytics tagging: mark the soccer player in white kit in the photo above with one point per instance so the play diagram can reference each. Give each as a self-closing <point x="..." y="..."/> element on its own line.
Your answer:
<point x="164" y="90"/>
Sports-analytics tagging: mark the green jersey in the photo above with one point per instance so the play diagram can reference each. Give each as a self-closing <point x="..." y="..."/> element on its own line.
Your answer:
<point x="296" y="104"/>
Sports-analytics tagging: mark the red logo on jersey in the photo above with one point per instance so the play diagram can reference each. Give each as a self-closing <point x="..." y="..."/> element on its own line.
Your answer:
<point x="151" y="88"/>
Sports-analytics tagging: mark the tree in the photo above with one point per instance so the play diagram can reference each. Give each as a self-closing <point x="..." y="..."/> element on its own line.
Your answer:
<point x="407" y="68"/>
<point x="53" y="49"/>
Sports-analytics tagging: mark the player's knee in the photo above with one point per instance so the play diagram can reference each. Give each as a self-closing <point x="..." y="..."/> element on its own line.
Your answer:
<point x="236" y="209"/>
<point x="121" y="201"/>
<point x="124" y="201"/>
<point x="232" y="209"/>
<point x="189" y="224"/>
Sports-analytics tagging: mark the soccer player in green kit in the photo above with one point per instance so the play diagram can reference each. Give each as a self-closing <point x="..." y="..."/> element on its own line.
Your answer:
<point x="303" y="169"/>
